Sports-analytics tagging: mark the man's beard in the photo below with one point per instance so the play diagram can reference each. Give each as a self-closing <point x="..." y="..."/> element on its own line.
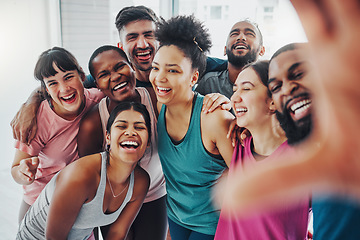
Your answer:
<point x="295" y="133"/>
<point x="241" y="61"/>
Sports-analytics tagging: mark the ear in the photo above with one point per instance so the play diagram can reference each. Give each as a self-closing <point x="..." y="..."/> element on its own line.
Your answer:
<point x="194" y="78"/>
<point x="225" y="51"/>
<point x="108" y="138"/>
<point x="262" y="51"/>
<point x="82" y="75"/>
<point x="272" y="107"/>
<point x="120" y="45"/>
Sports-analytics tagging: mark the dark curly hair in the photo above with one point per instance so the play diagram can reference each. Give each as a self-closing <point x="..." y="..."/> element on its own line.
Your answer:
<point x="189" y="35"/>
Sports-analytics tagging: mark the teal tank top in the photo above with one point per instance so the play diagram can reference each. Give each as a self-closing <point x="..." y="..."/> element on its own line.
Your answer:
<point x="190" y="173"/>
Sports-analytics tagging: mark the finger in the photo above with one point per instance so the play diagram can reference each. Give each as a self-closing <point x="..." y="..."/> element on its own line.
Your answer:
<point x="25" y="172"/>
<point x="345" y="11"/>
<point x="32" y="134"/>
<point x="210" y="101"/>
<point x="314" y="19"/>
<point x="232" y="127"/>
<point x="35" y="161"/>
<point x="15" y="132"/>
<point x="23" y="134"/>
<point x="226" y="106"/>
<point x="217" y="103"/>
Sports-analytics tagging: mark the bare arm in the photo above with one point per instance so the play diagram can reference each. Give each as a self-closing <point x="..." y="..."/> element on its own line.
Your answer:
<point x="329" y="160"/>
<point x="90" y="137"/>
<point x="73" y="188"/>
<point x="24" y="123"/>
<point x="217" y="141"/>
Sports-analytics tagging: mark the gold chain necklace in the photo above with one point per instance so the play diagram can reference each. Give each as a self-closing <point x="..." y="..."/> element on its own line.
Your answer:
<point x="112" y="191"/>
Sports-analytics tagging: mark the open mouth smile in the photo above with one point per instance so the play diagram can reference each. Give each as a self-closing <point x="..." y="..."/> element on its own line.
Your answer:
<point x="300" y="109"/>
<point x="69" y="99"/>
<point x="120" y="86"/>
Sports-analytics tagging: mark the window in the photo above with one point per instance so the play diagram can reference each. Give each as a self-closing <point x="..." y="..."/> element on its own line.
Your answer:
<point x="215" y="12"/>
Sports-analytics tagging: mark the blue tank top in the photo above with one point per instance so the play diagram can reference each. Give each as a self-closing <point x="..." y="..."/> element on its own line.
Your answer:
<point x="190" y="174"/>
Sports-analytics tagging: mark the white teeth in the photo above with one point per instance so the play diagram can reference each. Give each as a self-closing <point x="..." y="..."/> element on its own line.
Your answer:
<point x="240" y="47"/>
<point x="302" y="104"/>
<point x="163" y="89"/>
<point x="68" y="97"/>
<point x="132" y="143"/>
<point x="120" y="86"/>
<point x="301" y="109"/>
<point x="143" y="53"/>
<point x="241" y="110"/>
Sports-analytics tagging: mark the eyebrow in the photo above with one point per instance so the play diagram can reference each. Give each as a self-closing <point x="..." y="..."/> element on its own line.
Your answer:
<point x="168" y="64"/>
<point x="291" y="68"/>
<point x="247" y="82"/>
<point x="124" y="121"/>
<point x="246" y="30"/>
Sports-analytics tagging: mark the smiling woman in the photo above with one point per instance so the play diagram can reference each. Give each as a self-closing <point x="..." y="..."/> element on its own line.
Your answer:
<point x="54" y="145"/>
<point x="96" y="190"/>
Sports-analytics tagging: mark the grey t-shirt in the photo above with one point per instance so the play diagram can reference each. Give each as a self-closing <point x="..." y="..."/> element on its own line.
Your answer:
<point x="215" y="82"/>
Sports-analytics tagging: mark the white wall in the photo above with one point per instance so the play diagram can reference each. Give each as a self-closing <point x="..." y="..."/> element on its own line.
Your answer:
<point x="25" y="33"/>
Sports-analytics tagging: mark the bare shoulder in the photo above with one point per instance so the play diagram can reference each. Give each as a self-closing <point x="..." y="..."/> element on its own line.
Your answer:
<point x="91" y="120"/>
<point x="84" y="171"/>
<point x="216" y="118"/>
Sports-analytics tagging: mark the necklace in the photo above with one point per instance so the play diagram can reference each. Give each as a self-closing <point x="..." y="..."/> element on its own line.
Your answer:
<point x="112" y="191"/>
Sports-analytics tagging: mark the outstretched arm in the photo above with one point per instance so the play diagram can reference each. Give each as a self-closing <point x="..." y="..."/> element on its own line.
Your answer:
<point x="330" y="160"/>
<point x="24" y="123"/>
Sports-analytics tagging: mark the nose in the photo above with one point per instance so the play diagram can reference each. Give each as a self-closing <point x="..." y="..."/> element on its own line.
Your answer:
<point x="235" y="98"/>
<point x="114" y="76"/>
<point x="130" y="131"/>
<point x="241" y="37"/>
<point x="160" y="75"/>
<point x="141" y="42"/>
<point x="64" y="87"/>
<point x="289" y="87"/>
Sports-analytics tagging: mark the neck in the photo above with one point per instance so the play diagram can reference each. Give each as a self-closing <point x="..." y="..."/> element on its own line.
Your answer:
<point x="111" y="104"/>
<point x="117" y="170"/>
<point x="265" y="140"/>
<point x="142" y="76"/>
<point x="234" y="71"/>
<point x="181" y="108"/>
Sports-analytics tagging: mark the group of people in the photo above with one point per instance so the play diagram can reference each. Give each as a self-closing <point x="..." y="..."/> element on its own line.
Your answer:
<point x="150" y="149"/>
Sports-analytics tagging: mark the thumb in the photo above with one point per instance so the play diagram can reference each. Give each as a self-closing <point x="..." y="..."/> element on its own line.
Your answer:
<point x="34" y="163"/>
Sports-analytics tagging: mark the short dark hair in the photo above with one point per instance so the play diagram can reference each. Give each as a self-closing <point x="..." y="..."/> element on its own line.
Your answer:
<point x="261" y="68"/>
<point x="136" y="106"/>
<point x="189" y="35"/>
<point x="62" y="58"/>
<point x="287" y="47"/>
<point x="134" y="13"/>
<point x="102" y="49"/>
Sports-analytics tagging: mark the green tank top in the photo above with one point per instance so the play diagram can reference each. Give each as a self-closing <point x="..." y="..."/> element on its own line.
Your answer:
<point x="190" y="173"/>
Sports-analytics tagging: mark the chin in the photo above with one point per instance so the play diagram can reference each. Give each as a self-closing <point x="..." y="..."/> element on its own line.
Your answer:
<point x="295" y="132"/>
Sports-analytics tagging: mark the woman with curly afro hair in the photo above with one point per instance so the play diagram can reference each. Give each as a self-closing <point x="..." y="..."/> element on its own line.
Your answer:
<point x="193" y="147"/>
